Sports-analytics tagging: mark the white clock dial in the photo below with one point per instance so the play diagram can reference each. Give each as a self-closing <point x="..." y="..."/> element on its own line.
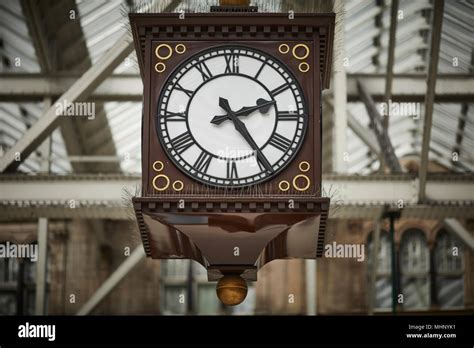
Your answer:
<point x="231" y="116"/>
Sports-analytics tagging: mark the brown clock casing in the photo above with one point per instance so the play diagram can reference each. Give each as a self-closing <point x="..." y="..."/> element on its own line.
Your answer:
<point x="283" y="217"/>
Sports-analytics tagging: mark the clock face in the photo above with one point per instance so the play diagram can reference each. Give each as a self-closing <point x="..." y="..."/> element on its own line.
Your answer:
<point x="231" y="116"/>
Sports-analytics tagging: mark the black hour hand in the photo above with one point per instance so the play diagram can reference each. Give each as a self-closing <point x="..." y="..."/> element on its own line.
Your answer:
<point x="224" y="103"/>
<point x="262" y="105"/>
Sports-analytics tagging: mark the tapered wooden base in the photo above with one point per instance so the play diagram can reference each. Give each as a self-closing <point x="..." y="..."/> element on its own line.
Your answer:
<point x="233" y="235"/>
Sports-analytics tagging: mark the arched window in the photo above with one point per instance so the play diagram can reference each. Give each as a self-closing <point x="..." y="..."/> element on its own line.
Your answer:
<point x="414" y="270"/>
<point x="449" y="267"/>
<point x="383" y="284"/>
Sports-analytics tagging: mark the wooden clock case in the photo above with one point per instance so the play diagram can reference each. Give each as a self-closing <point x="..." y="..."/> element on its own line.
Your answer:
<point x="237" y="230"/>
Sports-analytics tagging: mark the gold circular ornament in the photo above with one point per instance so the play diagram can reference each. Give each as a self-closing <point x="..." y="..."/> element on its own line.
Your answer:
<point x="304" y="166"/>
<point x="303" y="56"/>
<point x="283" y="48"/>
<point x="162" y="188"/>
<point x="178" y="185"/>
<point x="160" y="166"/>
<point x="231" y="289"/>
<point x="158" y="55"/>
<point x="304" y="188"/>
<point x="303" y="67"/>
<point x="180" y="48"/>
<point x="160" y="67"/>
<point x="284" y="185"/>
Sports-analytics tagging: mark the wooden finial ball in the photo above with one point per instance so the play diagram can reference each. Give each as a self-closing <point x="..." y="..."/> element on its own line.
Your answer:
<point x="231" y="290"/>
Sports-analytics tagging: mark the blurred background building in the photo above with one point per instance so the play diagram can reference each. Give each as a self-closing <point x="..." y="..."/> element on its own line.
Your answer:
<point x="69" y="189"/>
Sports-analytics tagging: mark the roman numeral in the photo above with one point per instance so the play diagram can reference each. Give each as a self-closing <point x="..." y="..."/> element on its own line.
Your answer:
<point x="203" y="161"/>
<point x="182" y="89"/>
<point x="287" y="116"/>
<point x="204" y="70"/>
<point x="232" y="170"/>
<point x="174" y="116"/>
<point x="280" y="142"/>
<point x="260" y="69"/>
<point x="232" y="63"/>
<point x="182" y="142"/>
<point x="280" y="89"/>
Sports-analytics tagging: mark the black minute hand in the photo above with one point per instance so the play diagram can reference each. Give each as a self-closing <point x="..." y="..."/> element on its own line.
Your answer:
<point x="242" y="129"/>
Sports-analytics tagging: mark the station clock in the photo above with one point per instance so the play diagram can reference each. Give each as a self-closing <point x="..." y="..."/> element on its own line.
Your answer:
<point x="231" y="139"/>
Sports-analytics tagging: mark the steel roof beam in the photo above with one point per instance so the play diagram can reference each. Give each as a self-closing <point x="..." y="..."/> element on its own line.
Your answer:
<point x="113" y="280"/>
<point x="455" y="227"/>
<point x="364" y="134"/>
<point x="389" y="78"/>
<point x="430" y="95"/>
<point x="79" y="90"/>
<point x="339" y="88"/>
<point x="52" y="33"/>
<point x="391" y="56"/>
<point x="38" y="36"/>
<point x="381" y="133"/>
<point x="90" y="196"/>
<point x="462" y="119"/>
<point x="450" y="88"/>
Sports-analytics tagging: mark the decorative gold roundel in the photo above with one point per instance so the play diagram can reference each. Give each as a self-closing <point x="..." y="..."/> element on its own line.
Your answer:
<point x="166" y="182"/>
<point x="167" y="47"/>
<point x="284" y="185"/>
<point x="300" y="52"/>
<point x="304" y="166"/>
<point x="180" y="48"/>
<point x="301" y="57"/>
<point x="283" y="48"/>
<point x="160" y="67"/>
<point x="158" y="166"/>
<point x="301" y="188"/>
<point x="178" y="185"/>
<point x="303" y="67"/>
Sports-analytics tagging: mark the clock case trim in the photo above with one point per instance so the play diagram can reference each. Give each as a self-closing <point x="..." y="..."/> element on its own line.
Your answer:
<point x="231" y="26"/>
